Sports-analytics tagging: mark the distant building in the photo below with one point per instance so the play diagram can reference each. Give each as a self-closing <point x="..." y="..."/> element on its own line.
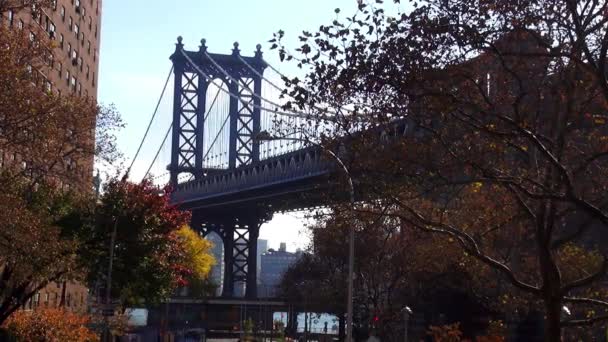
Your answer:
<point x="217" y="271"/>
<point x="262" y="248"/>
<point x="273" y="266"/>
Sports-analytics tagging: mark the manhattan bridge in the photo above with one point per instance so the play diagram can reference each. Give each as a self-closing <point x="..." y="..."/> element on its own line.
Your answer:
<point x="231" y="180"/>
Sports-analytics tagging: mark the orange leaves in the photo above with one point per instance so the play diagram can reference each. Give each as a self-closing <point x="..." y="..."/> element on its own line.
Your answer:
<point x="52" y="325"/>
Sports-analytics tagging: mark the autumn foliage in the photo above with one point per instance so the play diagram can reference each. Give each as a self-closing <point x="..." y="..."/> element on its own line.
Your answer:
<point x="52" y="325"/>
<point x="506" y="146"/>
<point x="47" y="145"/>
<point x="150" y="260"/>
<point x="197" y="254"/>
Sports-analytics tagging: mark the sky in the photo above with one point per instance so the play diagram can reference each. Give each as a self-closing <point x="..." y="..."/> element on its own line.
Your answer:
<point x="137" y="38"/>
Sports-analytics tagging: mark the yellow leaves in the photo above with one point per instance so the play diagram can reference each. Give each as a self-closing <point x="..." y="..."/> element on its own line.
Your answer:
<point x="198" y="252"/>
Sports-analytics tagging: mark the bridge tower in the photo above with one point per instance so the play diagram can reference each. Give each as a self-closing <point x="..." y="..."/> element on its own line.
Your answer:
<point x="194" y="71"/>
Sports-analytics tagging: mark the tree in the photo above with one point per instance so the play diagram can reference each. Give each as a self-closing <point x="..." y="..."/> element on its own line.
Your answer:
<point x="150" y="258"/>
<point x="33" y="251"/>
<point x="508" y="101"/>
<point x="50" y="324"/>
<point x="392" y="268"/>
<point x="46" y="149"/>
<point x="199" y="260"/>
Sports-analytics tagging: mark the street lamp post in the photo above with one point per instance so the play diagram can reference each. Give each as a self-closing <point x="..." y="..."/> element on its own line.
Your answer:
<point x="265" y="136"/>
<point x="406" y="321"/>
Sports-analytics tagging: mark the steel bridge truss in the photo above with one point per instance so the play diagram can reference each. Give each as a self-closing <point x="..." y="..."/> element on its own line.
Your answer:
<point x="239" y="233"/>
<point x="189" y="109"/>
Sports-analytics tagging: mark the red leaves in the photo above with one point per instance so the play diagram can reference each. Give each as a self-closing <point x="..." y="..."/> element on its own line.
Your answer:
<point x="150" y="258"/>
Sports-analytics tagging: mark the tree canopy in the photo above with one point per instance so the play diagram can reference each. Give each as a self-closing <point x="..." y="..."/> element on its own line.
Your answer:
<point x="47" y="144"/>
<point x="149" y="258"/>
<point x="506" y="147"/>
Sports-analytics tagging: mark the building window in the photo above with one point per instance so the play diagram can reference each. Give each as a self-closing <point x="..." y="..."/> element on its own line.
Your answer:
<point x="95" y="31"/>
<point x="36" y="299"/>
<point x="60" y="68"/>
<point x="69" y="49"/>
<point x="62" y="13"/>
<point x="93" y="78"/>
<point x="46" y="299"/>
<point x="51" y="30"/>
<point x="79" y="89"/>
<point x="89" y="47"/>
<point x="67" y="77"/>
<point x="73" y="83"/>
<point x="70" y="21"/>
<point x="80" y="63"/>
<point x="11" y="16"/>
<point x="54" y="5"/>
<point x="61" y="41"/>
<point x="87" y="73"/>
<point x="90" y="23"/>
<point x="35" y="13"/>
<point x="20" y="25"/>
<point x="76" y="30"/>
<point x="94" y="55"/>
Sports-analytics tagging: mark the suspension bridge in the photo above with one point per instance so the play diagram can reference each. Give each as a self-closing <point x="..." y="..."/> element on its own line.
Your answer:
<point x="220" y="170"/>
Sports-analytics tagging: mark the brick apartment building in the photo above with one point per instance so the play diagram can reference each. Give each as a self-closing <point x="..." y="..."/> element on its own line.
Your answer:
<point x="74" y="25"/>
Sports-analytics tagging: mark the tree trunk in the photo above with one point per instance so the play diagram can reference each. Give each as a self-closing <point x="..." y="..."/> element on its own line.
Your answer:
<point x="553" y="310"/>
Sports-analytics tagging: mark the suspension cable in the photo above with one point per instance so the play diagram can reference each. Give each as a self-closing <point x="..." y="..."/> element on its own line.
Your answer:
<point x="223" y="71"/>
<point x="302" y="115"/>
<point x="210" y="107"/>
<point x="257" y="73"/>
<point x="219" y="132"/>
<point x="141" y="144"/>
<point x="159" y="150"/>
